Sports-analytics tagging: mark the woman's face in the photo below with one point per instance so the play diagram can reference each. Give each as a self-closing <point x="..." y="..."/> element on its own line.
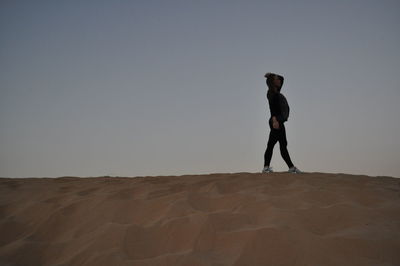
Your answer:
<point x="277" y="82"/>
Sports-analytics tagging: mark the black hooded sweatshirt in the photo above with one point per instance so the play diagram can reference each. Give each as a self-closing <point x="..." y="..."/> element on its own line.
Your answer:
<point x="275" y="100"/>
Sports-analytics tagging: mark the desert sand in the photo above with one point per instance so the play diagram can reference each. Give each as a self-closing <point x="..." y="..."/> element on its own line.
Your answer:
<point x="215" y="219"/>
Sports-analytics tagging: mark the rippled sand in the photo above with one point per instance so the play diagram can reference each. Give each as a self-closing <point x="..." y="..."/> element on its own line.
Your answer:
<point x="216" y="219"/>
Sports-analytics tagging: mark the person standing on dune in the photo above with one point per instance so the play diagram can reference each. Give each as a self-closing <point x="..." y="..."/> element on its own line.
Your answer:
<point x="279" y="109"/>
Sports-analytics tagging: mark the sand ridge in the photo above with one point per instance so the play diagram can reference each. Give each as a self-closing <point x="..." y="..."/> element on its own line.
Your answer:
<point x="212" y="219"/>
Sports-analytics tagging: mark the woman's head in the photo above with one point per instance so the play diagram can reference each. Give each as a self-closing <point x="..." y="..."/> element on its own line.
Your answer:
<point x="274" y="81"/>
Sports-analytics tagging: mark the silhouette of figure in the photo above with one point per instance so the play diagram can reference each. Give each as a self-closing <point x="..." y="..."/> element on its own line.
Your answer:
<point x="279" y="109"/>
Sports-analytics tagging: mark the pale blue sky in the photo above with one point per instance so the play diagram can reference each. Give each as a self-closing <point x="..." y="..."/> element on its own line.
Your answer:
<point x="132" y="88"/>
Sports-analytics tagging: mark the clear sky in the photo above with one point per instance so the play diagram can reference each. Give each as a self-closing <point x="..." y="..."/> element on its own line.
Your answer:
<point x="133" y="88"/>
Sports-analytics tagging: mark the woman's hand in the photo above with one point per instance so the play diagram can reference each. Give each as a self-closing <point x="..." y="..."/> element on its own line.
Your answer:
<point x="275" y="123"/>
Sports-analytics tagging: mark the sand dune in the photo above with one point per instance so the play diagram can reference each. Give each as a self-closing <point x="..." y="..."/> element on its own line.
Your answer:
<point x="216" y="219"/>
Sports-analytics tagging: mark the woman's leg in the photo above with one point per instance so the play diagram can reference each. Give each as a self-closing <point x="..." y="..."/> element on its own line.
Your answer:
<point x="283" y="146"/>
<point x="273" y="138"/>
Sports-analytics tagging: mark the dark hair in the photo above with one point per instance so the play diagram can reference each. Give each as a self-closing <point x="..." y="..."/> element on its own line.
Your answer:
<point x="270" y="80"/>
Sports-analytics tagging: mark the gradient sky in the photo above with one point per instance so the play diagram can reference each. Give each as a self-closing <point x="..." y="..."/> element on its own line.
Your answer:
<point x="133" y="88"/>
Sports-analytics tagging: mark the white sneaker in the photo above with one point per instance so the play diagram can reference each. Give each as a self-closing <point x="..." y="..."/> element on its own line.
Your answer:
<point x="294" y="170"/>
<point x="267" y="169"/>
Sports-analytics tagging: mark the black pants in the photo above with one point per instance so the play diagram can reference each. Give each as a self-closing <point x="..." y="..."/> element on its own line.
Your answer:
<point x="276" y="135"/>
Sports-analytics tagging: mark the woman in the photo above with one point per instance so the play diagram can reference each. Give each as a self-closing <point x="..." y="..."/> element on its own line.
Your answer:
<point x="277" y="103"/>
